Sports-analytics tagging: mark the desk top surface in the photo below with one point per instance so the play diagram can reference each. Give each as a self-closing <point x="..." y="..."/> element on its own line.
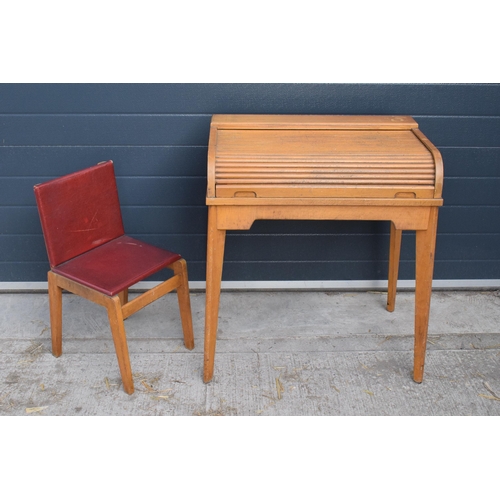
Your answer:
<point x="344" y="122"/>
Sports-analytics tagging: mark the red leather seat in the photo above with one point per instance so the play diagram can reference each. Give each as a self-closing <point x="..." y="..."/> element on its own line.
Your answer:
<point x="116" y="265"/>
<point x="90" y="255"/>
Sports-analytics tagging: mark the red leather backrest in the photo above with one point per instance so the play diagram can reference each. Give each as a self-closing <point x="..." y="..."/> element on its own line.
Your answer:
<point x="79" y="212"/>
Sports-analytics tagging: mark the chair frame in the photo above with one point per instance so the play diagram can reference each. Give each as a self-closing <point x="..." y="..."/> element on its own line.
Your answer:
<point x="119" y="308"/>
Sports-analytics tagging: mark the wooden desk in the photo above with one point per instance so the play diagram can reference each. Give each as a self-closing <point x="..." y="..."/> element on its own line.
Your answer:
<point x="317" y="168"/>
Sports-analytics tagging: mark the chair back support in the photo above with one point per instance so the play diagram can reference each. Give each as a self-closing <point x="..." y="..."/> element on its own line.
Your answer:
<point x="79" y="212"/>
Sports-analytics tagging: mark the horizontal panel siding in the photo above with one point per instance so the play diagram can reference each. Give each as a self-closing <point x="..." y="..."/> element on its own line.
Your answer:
<point x="157" y="135"/>
<point x="471" y="162"/>
<point x="352" y="247"/>
<point x="129" y="160"/>
<point x="99" y="130"/>
<point x="180" y="130"/>
<point x="471" y="191"/>
<point x="460" y="131"/>
<point x="372" y="270"/>
<point x="452" y="100"/>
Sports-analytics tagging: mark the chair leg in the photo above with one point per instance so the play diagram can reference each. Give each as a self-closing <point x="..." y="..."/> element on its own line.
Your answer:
<point x="123" y="296"/>
<point x="120" y="340"/>
<point x="55" y="305"/>
<point x="180" y="268"/>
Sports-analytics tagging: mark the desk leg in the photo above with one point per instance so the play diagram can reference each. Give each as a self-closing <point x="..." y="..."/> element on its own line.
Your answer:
<point x="394" y="254"/>
<point x="425" y="247"/>
<point x="215" y="255"/>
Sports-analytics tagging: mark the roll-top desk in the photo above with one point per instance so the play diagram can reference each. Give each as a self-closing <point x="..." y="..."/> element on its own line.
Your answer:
<point x="317" y="167"/>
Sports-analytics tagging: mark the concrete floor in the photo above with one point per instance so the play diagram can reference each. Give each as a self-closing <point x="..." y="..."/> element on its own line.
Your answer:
<point x="278" y="353"/>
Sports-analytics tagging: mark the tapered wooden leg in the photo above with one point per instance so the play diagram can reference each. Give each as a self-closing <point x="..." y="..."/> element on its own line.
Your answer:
<point x="215" y="254"/>
<point x="120" y="340"/>
<point x="394" y="254"/>
<point x="55" y="304"/>
<point x="180" y="268"/>
<point x="123" y="296"/>
<point x="425" y="248"/>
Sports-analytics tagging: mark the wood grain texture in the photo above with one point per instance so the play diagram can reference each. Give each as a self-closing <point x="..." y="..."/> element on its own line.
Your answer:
<point x="314" y="122"/>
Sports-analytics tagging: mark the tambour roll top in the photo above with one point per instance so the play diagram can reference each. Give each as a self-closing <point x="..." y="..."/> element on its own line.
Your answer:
<point x="308" y="156"/>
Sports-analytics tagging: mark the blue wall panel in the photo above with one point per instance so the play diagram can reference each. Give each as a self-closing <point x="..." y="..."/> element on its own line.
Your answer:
<point x="157" y="136"/>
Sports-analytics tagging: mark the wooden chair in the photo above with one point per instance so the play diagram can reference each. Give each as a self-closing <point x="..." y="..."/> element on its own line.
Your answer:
<point x="90" y="256"/>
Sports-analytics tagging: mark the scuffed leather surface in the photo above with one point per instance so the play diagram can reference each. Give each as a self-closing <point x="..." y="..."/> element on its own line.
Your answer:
<point x="79" y="212"/>
<point x="116" y="265"/>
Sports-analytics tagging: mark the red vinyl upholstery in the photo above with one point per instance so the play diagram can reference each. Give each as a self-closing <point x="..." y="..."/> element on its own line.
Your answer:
<point x="79" y="212"/>
<point x="116" y="265"/>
